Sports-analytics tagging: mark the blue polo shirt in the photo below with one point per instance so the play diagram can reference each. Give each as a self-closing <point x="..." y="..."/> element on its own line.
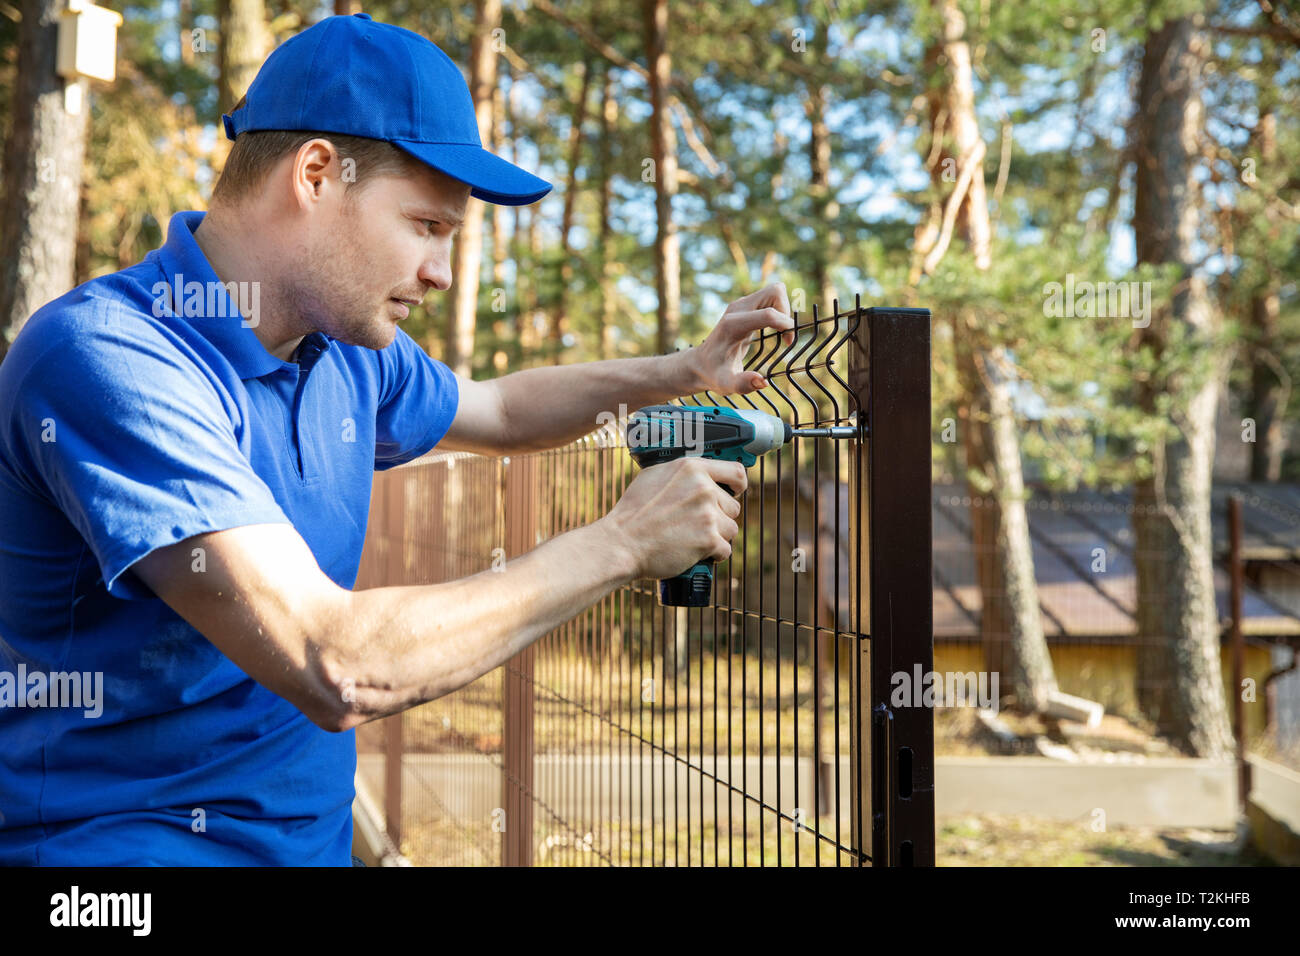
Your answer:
<point x="137" y="410"/>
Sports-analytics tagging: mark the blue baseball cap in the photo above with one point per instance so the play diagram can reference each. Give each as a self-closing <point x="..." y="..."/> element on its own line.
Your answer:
<point x="353" y="76"/>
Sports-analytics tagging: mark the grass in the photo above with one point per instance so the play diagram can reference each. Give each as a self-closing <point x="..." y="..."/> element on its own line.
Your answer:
<point x="1000" y="840"/>
<point x="445" y="842"/>
<point x="968" y="840"/>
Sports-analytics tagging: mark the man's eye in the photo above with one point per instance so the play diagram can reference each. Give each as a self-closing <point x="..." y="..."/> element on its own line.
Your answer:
<point x="429" y="224"/>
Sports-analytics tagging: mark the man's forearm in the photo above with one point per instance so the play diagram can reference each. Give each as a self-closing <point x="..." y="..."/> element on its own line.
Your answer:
<point x="407" y="645"/>
<point x="551" y="406"/>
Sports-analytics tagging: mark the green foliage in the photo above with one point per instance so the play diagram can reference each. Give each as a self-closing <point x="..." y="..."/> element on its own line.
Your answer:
<point x="1055" y="78"/>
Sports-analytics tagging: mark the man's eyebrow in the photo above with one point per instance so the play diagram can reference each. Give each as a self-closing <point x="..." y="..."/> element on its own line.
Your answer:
<point x="427" y="212"/>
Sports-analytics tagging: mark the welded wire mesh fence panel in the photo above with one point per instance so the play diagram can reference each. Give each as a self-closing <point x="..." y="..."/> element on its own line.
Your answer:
<point x="721" y="735"/>
<point x="736" y="734"/>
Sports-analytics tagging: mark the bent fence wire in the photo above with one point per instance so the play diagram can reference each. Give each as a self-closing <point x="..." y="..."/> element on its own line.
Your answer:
<point x="757" y="731"/>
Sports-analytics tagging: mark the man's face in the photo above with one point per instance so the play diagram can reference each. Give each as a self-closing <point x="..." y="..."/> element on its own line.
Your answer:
<point x="389" y="240"/>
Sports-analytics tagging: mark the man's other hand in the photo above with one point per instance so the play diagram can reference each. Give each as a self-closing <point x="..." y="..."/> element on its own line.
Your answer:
<point x="720" y="360"/>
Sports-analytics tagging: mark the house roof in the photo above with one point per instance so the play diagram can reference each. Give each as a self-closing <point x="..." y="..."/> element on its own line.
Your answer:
<point x="1083" y="560"/>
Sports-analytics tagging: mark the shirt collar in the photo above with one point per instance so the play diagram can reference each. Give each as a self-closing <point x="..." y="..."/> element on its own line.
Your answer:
<point x="194" y="292"/>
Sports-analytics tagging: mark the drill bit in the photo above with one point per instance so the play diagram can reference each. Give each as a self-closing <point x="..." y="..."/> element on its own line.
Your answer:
<point x="834" y="431"/>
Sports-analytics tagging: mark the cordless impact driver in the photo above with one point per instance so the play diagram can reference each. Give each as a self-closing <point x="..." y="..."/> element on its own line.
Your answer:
<point x="662" y="433"/>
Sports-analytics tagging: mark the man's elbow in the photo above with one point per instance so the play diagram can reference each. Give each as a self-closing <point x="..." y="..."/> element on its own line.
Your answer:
<point x="321" y="703"/>
<point x="340" y="714"/>
<point x="332" y="716"/>
<point x="337" y="724"/>
<point x="329" y="696"/>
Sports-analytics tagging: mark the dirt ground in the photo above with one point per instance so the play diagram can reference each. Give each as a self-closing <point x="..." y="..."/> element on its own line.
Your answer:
<point x="1005" y="840"/>
<point x="959" y="732"/>
<point x="995" y="840"/>
<point x="967" y="840"/>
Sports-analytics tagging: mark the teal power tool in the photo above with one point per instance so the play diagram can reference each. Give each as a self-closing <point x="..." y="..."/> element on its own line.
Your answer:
<point x="661" y="433"/>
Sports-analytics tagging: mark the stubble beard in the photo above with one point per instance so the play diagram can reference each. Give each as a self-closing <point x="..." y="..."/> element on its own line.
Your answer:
<point x="332" y="304"/>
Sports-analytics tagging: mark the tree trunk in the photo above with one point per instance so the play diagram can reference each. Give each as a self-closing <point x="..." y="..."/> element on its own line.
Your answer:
<point x="185" y="17"/>
<point x="81" y="258"/>
<point x="43" y="168"/>
<point x="500" y="239"/>
<point x="559" y="320"/>
<point x="527" y="298"/>
<point x="1011" y="628"/>
<point x="468" y="257"/>
<point x="241" y="48"/>
<point x="608" y="116"/>
<point x="1180" y="683"/>
<point x="825" y="207"/>
<point x="517" y="317"/>
<point x="1266" y="389"/>
<point x="664" y="153"/>
<point x="242" y="45"/>
<point x="780" y="147"/>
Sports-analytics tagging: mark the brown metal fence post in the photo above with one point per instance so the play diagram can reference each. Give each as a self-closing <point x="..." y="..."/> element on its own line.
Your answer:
<point x="890" y="375"/>
<point x="864" y="783"/>
<point x="862" y="798"/>
<point x="517" y="688"/>
<point x="393" y="778"/>
<point x="1238" y="650"/>
<point x="395" y="573"/>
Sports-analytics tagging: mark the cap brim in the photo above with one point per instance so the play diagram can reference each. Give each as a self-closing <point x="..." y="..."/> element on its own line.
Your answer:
<point x="490" y="177"/>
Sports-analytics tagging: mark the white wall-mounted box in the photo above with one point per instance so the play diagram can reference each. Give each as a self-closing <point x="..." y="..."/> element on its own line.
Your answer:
<point x="87" y="42"/>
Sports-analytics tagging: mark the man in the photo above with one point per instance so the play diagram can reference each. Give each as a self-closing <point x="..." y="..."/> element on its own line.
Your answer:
<point x="186" y="455"/>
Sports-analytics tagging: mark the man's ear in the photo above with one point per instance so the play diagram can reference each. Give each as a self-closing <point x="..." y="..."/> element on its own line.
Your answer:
<point x="311" y="165"/>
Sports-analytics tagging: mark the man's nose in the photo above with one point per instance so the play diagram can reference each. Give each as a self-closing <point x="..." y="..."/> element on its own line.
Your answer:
<point x="436" y="271"/>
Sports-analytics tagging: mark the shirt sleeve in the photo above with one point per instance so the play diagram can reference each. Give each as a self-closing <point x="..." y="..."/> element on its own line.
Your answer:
<point x="132" y="441"/>
<point x="418" y="400"/>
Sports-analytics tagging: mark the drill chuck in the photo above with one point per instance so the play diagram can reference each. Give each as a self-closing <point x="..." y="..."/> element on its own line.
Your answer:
<point x="770" y="433"/>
